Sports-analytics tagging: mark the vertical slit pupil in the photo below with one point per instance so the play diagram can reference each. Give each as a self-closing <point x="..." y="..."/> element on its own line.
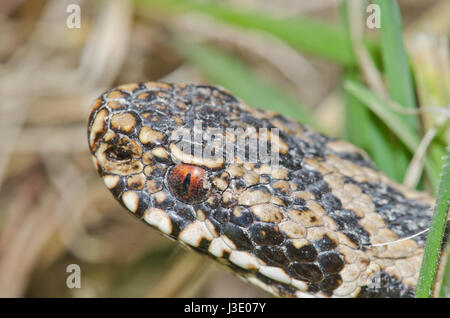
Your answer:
<point x="186" y="184"/>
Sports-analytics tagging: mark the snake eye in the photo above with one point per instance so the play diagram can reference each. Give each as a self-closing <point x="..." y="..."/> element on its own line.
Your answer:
<point x="188" y="183"/>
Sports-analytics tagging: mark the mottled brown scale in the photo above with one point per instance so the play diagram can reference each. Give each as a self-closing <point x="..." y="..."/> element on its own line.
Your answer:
<point x="303" y="227"/>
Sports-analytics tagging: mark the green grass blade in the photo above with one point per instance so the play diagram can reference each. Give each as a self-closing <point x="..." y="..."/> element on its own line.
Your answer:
<point x="232" y="74"/>
<point x="384" y="111"/>
<point x="395" y="60"/>
<point x="311" y="36"/>
<point x="433" y="245"/>
<point x="401" y="158"/>
<point x="407" y="135"/>
<point x="361" y="129"/>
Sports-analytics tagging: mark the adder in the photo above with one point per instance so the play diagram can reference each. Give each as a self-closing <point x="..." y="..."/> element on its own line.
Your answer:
<point x="316" y="223"/>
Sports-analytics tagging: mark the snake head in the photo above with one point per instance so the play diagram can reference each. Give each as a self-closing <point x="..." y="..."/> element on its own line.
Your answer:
<point x="144" y="143"/>
<point x="137" y="135"/>
<point x="144" y="140"/>
<point x="179" y="157"/>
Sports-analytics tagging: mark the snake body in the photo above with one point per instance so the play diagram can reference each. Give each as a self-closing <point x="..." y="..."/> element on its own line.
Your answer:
<point x="316" y="224"/>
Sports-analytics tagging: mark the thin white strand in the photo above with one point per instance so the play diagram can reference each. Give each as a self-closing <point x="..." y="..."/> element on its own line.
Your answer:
<point x="399" y="240"/>
<point x="402" y="239"/>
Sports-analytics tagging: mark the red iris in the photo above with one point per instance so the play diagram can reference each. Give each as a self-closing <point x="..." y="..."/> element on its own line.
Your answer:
<point x="189" y="183"/>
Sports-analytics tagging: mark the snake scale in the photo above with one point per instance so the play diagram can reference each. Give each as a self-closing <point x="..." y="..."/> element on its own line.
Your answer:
<point x="313" y="225"/>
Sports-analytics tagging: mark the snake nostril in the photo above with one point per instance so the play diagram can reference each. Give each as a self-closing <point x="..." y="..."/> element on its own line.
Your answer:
<point x="119" y="154"/>
<point x="122" y="150"/>
<point x="188" y="183"/>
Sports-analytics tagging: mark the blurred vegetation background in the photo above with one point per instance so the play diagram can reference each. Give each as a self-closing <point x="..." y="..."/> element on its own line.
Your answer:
<point x="386" y="90"/>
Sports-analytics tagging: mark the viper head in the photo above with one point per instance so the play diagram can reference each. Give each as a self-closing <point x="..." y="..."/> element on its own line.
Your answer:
<point x="181" y="158"/>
